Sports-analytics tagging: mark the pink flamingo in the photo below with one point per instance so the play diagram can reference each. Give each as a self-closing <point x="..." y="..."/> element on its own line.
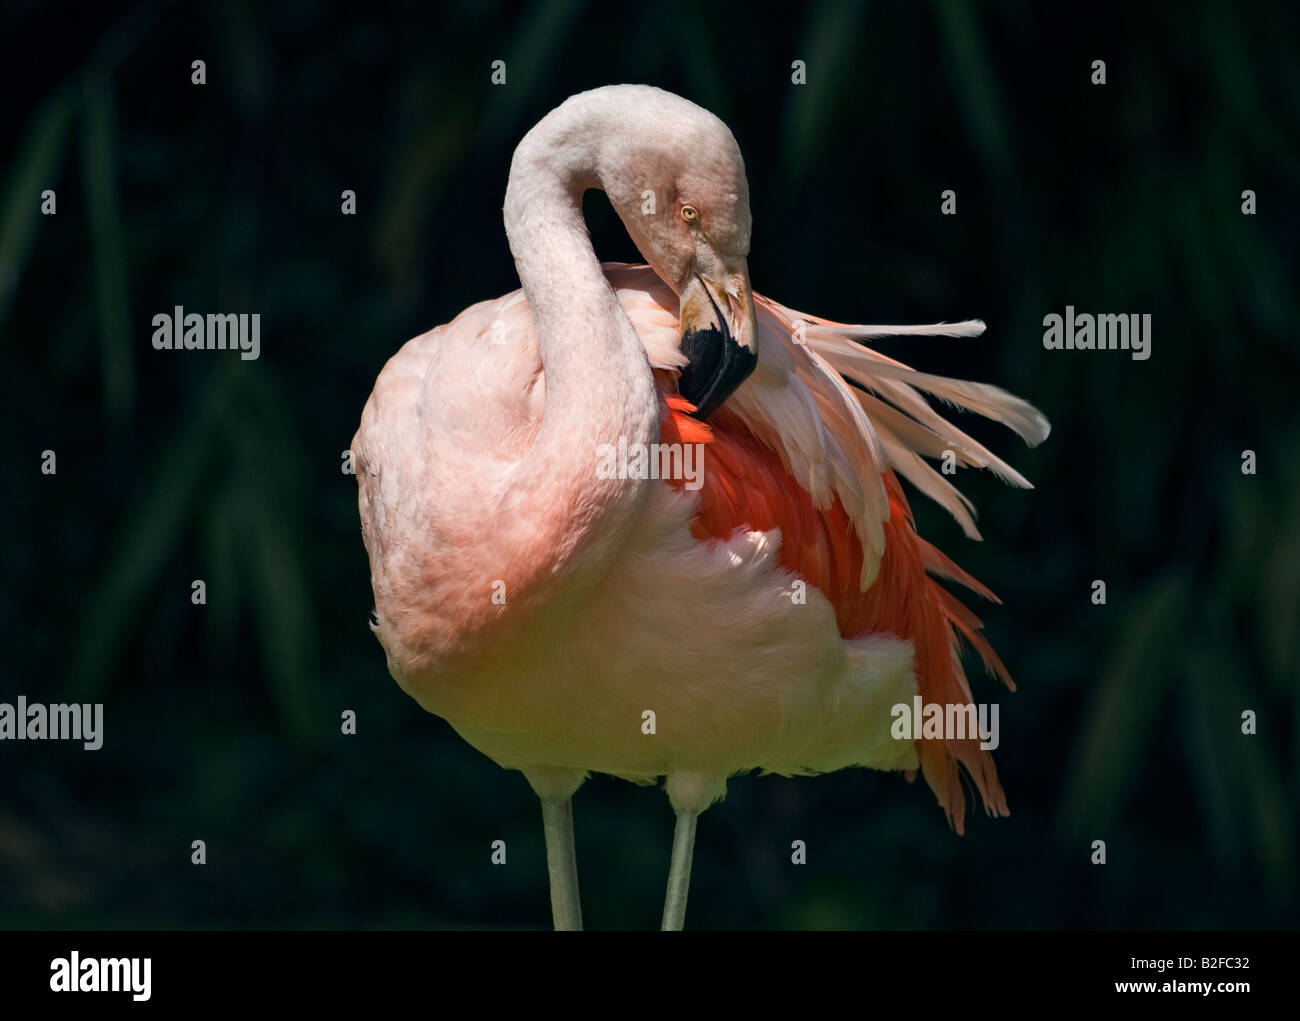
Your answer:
<point x="568" y="614"/>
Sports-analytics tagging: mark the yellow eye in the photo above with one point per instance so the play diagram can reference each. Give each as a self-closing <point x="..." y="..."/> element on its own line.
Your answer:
<point x="690" y="214"/>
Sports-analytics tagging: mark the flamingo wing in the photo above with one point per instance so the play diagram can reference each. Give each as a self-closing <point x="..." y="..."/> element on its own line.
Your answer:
<point x="812" y="444"/>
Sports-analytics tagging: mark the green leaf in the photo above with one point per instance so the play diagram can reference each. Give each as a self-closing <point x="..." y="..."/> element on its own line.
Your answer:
<point x="35" y="168"/>
<point x="1240" y="784"/>
<point x="221" y="535"/>
<point x="282" y="619"/>
<point x="536" y="46"/>
<point x="151" y="531"/>
<point x="266" y="459"/>
<point x="974" y="83"/>
<point x="108" y="253"/>
<point x="829" y="49"/>
<point x="1119" y="724"/>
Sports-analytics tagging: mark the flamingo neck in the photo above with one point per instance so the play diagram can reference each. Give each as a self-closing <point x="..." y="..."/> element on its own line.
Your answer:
<point x="599" y="387"/>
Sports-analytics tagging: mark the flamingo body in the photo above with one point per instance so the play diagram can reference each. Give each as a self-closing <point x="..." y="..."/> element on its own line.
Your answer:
<point x="777" y="685"/>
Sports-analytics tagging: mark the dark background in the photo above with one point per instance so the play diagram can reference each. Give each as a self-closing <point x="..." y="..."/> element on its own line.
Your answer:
<point x="222" y="721"/>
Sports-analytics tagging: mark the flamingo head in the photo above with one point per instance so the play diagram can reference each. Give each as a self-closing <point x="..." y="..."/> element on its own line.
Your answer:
<point x="677" y="180"/>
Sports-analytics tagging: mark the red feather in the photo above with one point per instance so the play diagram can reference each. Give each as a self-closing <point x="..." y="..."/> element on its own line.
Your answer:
<point x="744" y="485"/>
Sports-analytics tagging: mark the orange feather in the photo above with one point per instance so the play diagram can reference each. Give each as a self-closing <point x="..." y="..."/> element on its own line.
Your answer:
<point x="744" y="485"/>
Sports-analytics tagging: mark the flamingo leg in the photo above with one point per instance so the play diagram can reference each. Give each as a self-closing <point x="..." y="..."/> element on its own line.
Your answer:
<point x="562" y="863"/>
<point x="679" y="872"/>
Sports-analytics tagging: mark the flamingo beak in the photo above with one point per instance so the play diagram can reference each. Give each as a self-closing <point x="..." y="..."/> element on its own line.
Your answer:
<point x="719" y="338"/>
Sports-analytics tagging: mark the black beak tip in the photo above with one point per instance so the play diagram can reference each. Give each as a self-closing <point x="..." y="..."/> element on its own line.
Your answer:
<point x="716" y="366"/>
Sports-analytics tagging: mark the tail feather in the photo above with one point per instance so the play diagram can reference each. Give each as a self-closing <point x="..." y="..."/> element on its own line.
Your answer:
<point x="966" y="328"/>
<point x="937" y="563"/>
<point x="845" y="422"/>
<point x="898" y="384"/>
<point x="901" y="430"/>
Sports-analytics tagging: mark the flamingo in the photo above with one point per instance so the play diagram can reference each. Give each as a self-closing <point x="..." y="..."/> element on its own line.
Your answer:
<point x="566" y="618"/>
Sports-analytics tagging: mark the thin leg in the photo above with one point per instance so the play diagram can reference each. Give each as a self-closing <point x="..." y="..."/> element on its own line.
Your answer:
<point x="562" y="864"/>
<point x="679" y="873"/>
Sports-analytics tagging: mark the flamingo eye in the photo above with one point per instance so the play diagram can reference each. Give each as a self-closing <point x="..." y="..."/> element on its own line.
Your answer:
<point x="690" y="214"/>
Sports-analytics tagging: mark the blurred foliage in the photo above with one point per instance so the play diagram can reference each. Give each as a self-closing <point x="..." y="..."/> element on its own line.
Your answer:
<point x="222" y="720"/>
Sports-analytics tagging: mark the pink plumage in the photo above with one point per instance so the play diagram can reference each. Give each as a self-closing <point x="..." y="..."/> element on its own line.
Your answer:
<point x="565" y="619"/>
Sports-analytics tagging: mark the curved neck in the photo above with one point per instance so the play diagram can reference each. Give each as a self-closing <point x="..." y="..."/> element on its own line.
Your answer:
<point x="599" y="387"/>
